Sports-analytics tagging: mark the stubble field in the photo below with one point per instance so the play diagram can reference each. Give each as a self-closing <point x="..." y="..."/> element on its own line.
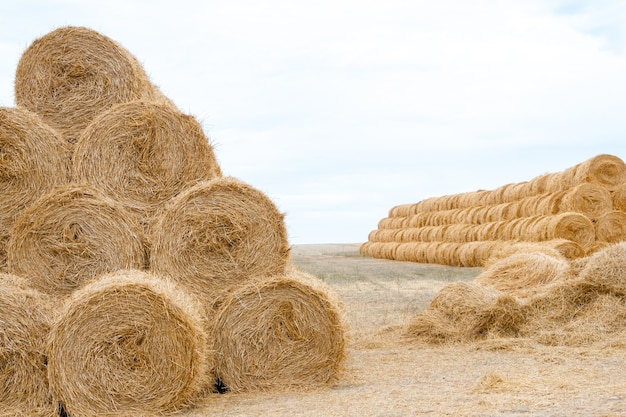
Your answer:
<point x="387" y="375"/>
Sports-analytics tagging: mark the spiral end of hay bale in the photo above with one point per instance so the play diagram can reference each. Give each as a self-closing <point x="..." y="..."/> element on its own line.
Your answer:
<point x="33" y="160"/>
<point x="218" y="234"/>
<point x="606" y="170"/>
<point x="284" y="332"/>
<point x="611" y="227"/>
<point x="523" y="274"/>
<point x="72" y="235"/>
<point x="128" y="343"/>
<point x="143" y="153"/>
<point x="465" y="312"/>
<point x="591" y="199"/>
<point x="71" y="74"/>
<point x="25" y="315"/>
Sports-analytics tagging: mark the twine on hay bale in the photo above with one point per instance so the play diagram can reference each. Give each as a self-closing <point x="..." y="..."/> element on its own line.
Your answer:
<point x="72" y="74"/>
<point x="126" y="344"/>
<point x="285" y="332"/>
<point x="72" y="235"/>
<point x="523" y="274"/>
<point x="33" y="160"/>
<point x="25" y="315"/>
<point x="467" y="311"/>
<point x="611" y="227"/>
<point x="143" y="154"/>
<point x="218" y="234"/>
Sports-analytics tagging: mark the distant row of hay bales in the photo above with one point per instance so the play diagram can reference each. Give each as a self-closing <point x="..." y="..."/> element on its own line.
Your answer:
<point x="583" y="204"/>
<point x="532" y="295"/>
<point x="135" y="277"/>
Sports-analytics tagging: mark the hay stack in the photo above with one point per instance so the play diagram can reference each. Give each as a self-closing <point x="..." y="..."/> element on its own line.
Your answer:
<point x="523" y="274"/>
<point x="143" y="154"/>
<point x="219" y="234"/>
<point x="126" y="344"/>
<point x="280" y="333"/>
<point x="33" y="160"/>
<point x="463" y="311"/>
<point x="72" y="235"/>
<point x="72" y="74"/>
<point x="25" y="316"/>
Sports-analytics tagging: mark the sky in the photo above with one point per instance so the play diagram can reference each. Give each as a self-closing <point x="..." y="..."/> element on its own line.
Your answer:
<point x="339" y="110"/>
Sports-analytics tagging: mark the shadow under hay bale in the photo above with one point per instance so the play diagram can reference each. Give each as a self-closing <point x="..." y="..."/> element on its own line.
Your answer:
<point x="523" y="274"/>
<point x="72" y="74"/>
<point x="72" y="235"/>
<point x="33" y="160"/>
<point x="25" y="316"/>
<point x="128" y="344"/>
<point x="219" y="234"/>
<point x="143" y="154"/>
<point x="466" y="311"/>
<point x="285" y="332"/>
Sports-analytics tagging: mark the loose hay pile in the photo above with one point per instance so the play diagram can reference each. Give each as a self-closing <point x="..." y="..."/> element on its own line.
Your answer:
<point x="103" y="157"/>
<point x="582" y="204"/>
<point x="33" y="160"/>
<point x="128" y="342"/>
<point x="553" y="304"/>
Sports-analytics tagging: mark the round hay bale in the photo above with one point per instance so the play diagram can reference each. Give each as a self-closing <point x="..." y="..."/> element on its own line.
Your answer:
<point x="522" y="274"/>
<point x="25" y="315"/>
<point x="33" y="160"/>
<point x="128" y="343"/>
<point x="285" y="332"/>
<point x="611" y="226"/>
<point x="568" y="225"/>
<point x="219" y="234"/>
<point x="72" y="74"/>
<point x="467" y="311"/>
<point x="606" y="170"/>
<point x="72" y="235"/>
<point x="591" y="199"/>
<point x="607" y="269"/>
<point x="143" y="154"/>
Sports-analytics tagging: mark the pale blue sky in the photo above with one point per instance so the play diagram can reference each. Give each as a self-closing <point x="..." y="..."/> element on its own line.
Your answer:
<point x="339" y="110"/>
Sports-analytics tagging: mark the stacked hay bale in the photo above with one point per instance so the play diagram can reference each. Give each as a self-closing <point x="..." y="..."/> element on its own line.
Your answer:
<point x="578" y="210"/>
<point x="132" y="259"/>
<point x="533" y="296"/>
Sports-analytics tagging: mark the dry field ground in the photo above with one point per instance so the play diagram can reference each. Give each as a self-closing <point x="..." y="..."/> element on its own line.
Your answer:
<point x="386" y="375"/>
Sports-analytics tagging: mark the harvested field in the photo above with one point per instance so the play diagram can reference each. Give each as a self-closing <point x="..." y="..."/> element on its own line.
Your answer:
<point x="387" y="376"/>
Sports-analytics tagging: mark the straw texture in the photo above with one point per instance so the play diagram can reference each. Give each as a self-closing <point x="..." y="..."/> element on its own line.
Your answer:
<point x="25" y="316"/>
<point x="33" y="160"/>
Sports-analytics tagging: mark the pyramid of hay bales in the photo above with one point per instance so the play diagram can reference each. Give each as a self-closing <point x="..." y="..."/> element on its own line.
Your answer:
<point x="133" y="270"/>
<point x="576" y="211"/>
